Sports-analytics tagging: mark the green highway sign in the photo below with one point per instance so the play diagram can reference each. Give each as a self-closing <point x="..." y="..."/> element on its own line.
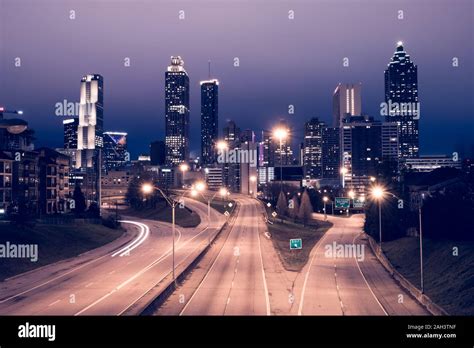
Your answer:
<point x="342" y="202"/>
<point x="296" y="243"/>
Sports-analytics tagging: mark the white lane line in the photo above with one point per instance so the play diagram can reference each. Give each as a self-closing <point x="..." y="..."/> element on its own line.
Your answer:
<point x="112" y="272"/>
<point x="128" y="280"/>
<point x="53" y="279"/>
<point x="228" y="300"/>
<point x="182" y="246"/>
<point x="52" y="304"/>
<point x="267" y="298"/>
<point x="365" y="280"/>
<point x="208" y="272"/>
<point x="300" y="307"/>
<point x="89" y="284"/>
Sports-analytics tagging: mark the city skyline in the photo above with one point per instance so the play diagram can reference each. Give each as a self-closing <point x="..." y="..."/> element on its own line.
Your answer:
<point x="445" y="124"/>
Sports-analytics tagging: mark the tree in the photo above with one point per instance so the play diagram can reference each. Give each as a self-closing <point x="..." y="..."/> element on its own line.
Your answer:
<point x="282" y="205"/>
<point x="306" y="209"/>
<point x="79" y="200"/>
<point x="294" y="208"/>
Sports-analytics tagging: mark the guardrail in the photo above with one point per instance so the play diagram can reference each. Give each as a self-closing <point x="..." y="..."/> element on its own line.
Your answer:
<point x="424" y="300"/>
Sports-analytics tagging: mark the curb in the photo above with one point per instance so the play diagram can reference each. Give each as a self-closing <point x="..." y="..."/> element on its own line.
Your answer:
<point x="424" y="300"/>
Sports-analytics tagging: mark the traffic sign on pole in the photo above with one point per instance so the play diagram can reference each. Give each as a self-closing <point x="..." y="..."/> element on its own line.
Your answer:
<point x="296" y="243"/>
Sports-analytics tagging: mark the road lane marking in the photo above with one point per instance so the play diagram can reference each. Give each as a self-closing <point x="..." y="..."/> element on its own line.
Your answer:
<point x="365" y="280"/>
<point x="89" y="284"/>
<point x="52" y="304"/>
<point x="209" y="271"/>
<point x="53" y="279"/>
<point x="267" y="299"/>
<point x="300" y="307"/>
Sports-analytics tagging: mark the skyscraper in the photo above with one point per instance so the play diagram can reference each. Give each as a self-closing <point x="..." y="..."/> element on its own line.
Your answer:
<point x="401" y="96"/>
<point x="312" y="149"/>
<point x="91" y="121"/>
<point x="361" y="150"/>
<point x="346" y="100"/>
<point x="209" y="120"/>
<point x="157" y="153"/>
<point x="115" y="150"/>
<point x="283" y="153"/>
<point x="231" y="133"/>
<point x="70" y="133"/>
<point x="176" y="112"/>
<point x="331" y="153"/>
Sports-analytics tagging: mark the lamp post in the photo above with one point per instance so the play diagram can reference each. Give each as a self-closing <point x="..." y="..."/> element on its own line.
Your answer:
<point x="281" y="133"/>
<point x="351" y="196"/>
<point x="198" y="188"/>
<point x="325" y="199"/>
<point x="420" y="204"/>
<point x="183" y="167"/>
<point x="148" y="188"/>
<point x="378" y="193"/>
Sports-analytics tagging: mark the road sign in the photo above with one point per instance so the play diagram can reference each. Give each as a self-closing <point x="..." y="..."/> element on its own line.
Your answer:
<point x="226" y="213"/>
<point x="342" y="202"/>
<point x="269" y="204"/>
<point x="358" y="203"/>
<point x="296" y="243"/>
<point x="230" y="204"/>
<point x="274" y="214"/>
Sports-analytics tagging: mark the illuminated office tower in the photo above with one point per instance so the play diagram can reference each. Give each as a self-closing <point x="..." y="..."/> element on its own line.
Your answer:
<point x="401" y="95"/>
<point x="176" y="112"/>
<point x="91" y="121"/>
<point x="115" y="150"/>
<point x="209" y="120"/>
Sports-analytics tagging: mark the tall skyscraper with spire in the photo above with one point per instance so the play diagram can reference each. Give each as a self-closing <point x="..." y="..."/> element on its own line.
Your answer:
<point x="209" y="120"/>
<point x="91" y="121"/>
<point x="401" y="96"/>
<point x="176" y="112"/>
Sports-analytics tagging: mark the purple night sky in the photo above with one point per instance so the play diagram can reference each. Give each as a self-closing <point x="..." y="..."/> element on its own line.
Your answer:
<point x="282" y="61"/>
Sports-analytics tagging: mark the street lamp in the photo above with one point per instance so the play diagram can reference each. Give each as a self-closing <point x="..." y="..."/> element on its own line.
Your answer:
<point x="148" y="188"/>
<point x="325" y="199"/>
<point x="351" y="196"/>
<point x="183" y="167"/>
<point x="378" y="193"/>
<point x="281" y="133"/>
<point x="199" y="187"/>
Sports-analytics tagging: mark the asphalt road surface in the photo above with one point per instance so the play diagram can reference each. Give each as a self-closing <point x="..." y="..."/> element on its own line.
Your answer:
<point x="110" y="279"/>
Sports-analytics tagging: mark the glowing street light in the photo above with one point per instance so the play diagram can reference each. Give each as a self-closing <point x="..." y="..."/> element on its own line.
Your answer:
<point x="253" y="178"/>
<point x="200" y="186"/>
<point x="148" y="188"/>
<point x="352" y="194"/>
<point x="281" y="134"/>
<point x="221" y="145"/>
<point x="183" y="167"/>
<point x="325" y="200"/>
<point x="378" y="193"/>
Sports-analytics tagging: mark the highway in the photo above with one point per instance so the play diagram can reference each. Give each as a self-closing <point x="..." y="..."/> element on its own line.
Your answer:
<point x="350" y="284"/>
<point x="235" y="283"/>
<point x="111" y="279"/>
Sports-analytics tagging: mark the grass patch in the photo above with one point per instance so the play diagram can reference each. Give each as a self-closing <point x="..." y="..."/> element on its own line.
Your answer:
<point x="448" y="279"/>
<point x="184" y="217"/>
<point x="55" y="243"/>
<point x="294" y="260"/>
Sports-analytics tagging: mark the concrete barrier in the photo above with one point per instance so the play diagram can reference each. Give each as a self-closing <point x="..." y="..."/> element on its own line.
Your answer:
<point x="424" y="300"/>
